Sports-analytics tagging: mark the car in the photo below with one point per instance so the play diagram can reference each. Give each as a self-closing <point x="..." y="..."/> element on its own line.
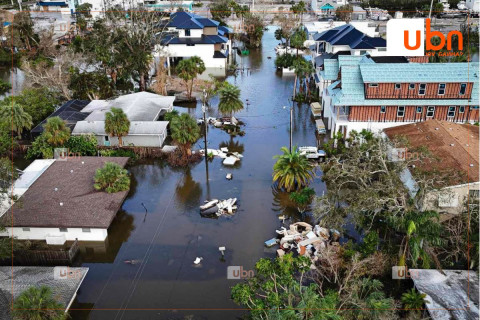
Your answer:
<point x="312" y="153"/>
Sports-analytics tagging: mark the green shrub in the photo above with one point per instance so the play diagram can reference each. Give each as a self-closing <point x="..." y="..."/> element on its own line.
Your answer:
<point x="118" y="153"/>
<point x="85" y="145"/>
<point x="40" y="149"/>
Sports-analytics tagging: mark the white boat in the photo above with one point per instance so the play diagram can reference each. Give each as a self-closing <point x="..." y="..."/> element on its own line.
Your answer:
<point x="316" y="109"/>
<point x="462" y="5"/>
<point x="282" y="49"/>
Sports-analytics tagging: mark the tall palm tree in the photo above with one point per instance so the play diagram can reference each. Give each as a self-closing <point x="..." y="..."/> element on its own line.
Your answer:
<point x="38" y="304"/>
<point x="303" y="69"/>
<point x="14" y="114"/>
<point x="188" y="69"/>
<point x="185" y="131"/>
<point x="117" y="124"/>
<point x="230" y="101"/>
<point x="292" y="170"/>
<point x="56" y="132"/>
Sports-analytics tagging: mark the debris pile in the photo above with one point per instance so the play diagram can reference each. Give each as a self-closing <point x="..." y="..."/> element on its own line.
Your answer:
<point x="220" y="122"/>
<point x="305" y="239"/>
<point x="229" y="158"/>
<point x="219" y="207"/>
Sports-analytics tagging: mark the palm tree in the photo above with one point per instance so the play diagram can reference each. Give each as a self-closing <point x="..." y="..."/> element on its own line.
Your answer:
<point x="56" y="132"/>
<point x="117" y="124"/>
<point x="37" y="303"/>
<point x="185" y="131"/>
<point x="422" y="231"/>
<point x="230" y="101"/>
<point x="413" y="299"/>
<point x="292" y="170"/>
<point x="14" y="115"/>
<point x="188" y="69"/>
<point x="112" y="178"/>
<point x="303" y="69"/>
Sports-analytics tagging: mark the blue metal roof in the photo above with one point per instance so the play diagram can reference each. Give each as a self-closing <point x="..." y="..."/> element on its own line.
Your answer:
<point x="188" y="20"/>
<point x="347" y="35"/>
<point x="205" y="39"/>
<point x="420" y="72"/>
<point x="222" y="30"/>
<point x="52" y="3"/>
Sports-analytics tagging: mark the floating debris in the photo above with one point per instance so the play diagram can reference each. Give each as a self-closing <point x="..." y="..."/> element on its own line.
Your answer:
<point x="229" y="176"/>
<point x="198" y="260"/>
<point x="209" y="204"/>
<point x="224" y="207"/>
<point x="271" y="242"/>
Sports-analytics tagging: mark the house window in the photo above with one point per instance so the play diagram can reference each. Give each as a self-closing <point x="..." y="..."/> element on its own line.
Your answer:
<point x="430" y="112"/>
<point x="411" y="86"/>
<point x="474" y="107"/>
<point x="422" y="88"/>
<point x="441" y="89"/>
<point x="187" y="32"/>
<point x="382" y="49"/>
<point x="419" y="109"/>
<point x="383" y="109"/>
<point x="451" y="112"/>
<point x="397" y="86"/>
<point x="373" y="85"/>
<point x="85" y="229"/>
<point x="63" y="229"/>
<point x="26" y="229"/>
<point x="463" y="88"/>
<point x="401" y="112"/>
<point x="461" y="109"/>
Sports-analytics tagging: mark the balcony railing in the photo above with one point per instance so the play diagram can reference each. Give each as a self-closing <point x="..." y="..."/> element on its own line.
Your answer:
<point x="414" y="95"/>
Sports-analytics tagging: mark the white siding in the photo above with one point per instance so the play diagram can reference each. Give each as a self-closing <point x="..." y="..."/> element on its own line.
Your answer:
<point x="42" y="233"/>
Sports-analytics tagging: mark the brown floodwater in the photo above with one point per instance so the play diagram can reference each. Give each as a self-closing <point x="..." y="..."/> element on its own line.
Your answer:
<point x="160" y="226"/>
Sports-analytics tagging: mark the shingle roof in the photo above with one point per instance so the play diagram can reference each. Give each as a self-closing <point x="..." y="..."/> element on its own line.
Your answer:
<point x="420" y="72"/>
<point x="15" y="280"/>
<point x="348" y="35"/>
<point x="83" y="206"/>
<point x="438" y="137"/>
<point x="69" y="112"/>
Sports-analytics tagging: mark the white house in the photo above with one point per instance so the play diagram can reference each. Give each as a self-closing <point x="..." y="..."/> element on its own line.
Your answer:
<point x="473" y="6"/>
<point x="58" y="202"/>
<point x="142" y="109"/>
<point x="192" y="35"/>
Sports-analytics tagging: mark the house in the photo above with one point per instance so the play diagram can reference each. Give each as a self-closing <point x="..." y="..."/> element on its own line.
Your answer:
<point x="456" y="145"/>
<point x="473" y="6"/>
<point x="143" y="109"/>
<point x="15" y="280"/>
<point x="192" y="35"/>
<point x="374" y="96"/>
<point x="54" y="6"/>
<point x="70" y="112"/>
<point x="324" y="8"/>
<point x="359" y="13"/>
<point x="451" y="294"/>
<point x="168" y="6"/>
<point x="58" y="202"/>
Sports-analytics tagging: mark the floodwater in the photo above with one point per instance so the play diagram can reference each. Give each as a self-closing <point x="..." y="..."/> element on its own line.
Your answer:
<point x="161" y="228"/>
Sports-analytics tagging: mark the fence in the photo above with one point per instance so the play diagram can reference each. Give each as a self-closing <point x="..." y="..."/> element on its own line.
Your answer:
<point x="44" y="257"/>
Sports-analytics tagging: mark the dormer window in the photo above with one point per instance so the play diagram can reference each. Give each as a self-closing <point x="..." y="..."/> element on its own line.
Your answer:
<point x="187" y="32"/>
<point x="463" y="89"/>
<point x="411" y="86"/>
<point x="422" y="88"/>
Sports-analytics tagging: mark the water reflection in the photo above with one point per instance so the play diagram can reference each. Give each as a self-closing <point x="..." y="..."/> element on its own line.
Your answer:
<point x="233" y="146"/>
<point x="188" y="191"/>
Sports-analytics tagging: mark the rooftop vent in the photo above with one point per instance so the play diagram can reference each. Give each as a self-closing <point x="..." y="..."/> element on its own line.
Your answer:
<point x="471" y="164"/>
<point x="452" y="144"/>
<point x="436" y="128"/>
<point x="61" y="203"/>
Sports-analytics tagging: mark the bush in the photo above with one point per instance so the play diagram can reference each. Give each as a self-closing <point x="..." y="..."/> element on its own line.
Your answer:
<point x="4" y="86"/>
<point x="118" y="153"/>
<point x="111" y="178"/>
<point x="284" y="61"/>
<point x="40" y="149"/>
<point x="85" y="145"/>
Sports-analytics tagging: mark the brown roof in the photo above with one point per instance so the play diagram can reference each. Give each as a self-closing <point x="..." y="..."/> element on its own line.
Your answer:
<point x="83" y="206"/>
<point x="456" y="145"/>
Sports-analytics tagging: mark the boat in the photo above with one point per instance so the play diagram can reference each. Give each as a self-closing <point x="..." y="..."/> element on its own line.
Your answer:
<point x="320" y="126"/>
<point x="316" y="109"/>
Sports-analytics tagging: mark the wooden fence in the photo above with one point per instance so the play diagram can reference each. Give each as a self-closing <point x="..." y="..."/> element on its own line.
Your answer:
<point x="43" y="257"/>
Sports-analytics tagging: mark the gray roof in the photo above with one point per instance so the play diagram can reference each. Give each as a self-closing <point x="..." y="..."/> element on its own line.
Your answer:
<point x="140" y="106"/>
<point x="64" y="290"/>
<point x="420" y="72"/>
<point x="451" y="296"/>
<point x="136" y="128"/>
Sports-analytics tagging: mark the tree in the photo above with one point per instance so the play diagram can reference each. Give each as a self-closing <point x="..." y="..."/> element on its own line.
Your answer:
<point x="117" y="124"/>
<point x="300" y="8"/>
<point x="220" y="9"/>
<point x="413" y="299"/>
<point x="297" y="39"/>
<point x="38" y="102"/>
<point x="17" y="117"/>
<point x="303" y="70"/>
<point x="93" y="85"/>
<point x="185" y="132"/>
<point x="40" y="148"/>
<point x="85" y="145"/>
<point x="230" y="101"/>
<point x="275" y="292"/>
<point x="111" y="178"/>
<point x="255" y="29"/>
<point x="302" y="198"/>
<point x="344" y="13"/>
<point x="188" y="69"/>
<point x="38" y="303"/>
<point x="21" y="33"/>
<point x="56" y="132"/>
<point x="292" y="170"/>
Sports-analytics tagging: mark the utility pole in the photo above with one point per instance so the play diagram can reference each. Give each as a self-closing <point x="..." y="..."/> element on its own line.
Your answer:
<point x="204" y="109"/>
<point x="430" y="13"/>
<point x="291" y="128"/>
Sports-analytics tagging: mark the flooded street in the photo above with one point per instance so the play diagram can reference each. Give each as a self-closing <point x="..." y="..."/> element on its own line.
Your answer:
<point x="160" y="226"/>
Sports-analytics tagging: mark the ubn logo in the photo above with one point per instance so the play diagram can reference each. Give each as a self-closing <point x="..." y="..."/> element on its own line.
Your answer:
<point x="62" y="273"/>
<point x="409" y="37"/>
<point x="237" y="272"/>
<point x="63" y="154"/>
<point x="402" y="272"/>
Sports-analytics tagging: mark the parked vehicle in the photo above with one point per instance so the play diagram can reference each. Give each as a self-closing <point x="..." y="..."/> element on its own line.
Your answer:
<point x="312" y="153"/>
<point x="320" y="126"/>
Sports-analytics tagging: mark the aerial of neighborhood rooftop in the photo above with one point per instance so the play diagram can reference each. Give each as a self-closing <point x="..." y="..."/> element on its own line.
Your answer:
<point x="220" y="159"/>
